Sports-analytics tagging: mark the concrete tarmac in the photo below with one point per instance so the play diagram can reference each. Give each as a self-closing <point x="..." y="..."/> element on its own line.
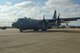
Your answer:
<point x="52" y="41"/>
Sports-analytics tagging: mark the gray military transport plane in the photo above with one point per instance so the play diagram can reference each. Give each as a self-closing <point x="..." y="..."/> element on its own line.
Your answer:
<point x="44" y="24"/>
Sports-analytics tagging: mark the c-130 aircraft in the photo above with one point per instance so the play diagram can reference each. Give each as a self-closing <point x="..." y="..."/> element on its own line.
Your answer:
<point x="28" y="23"/>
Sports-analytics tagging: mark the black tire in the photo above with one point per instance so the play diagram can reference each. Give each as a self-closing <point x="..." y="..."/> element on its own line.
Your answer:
<point x="21" y="30"/>
<point x="44" y="29"/>
<point x="35" y="29"/>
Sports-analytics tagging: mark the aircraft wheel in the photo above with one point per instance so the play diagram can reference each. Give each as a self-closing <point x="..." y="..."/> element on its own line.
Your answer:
<point x="21" y="30"/>
<point x="44" y="29"/>
<point x="35" y="29"/>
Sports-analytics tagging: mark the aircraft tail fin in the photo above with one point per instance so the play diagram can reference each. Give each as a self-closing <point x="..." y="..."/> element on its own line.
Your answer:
<point x="55" y="15"/>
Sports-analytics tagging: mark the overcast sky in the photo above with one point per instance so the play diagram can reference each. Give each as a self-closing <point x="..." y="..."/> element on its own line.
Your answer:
<point x="11" y="10"/>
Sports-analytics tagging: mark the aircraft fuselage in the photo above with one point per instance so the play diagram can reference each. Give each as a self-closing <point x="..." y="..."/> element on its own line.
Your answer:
<point x="24" y="23"/>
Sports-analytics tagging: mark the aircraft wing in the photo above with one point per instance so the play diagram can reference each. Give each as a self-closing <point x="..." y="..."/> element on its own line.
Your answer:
<point x="70" y="19"/>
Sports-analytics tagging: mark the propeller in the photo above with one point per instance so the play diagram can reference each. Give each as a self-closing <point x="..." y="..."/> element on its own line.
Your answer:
<point x="58" y="20"/>
<point x="44" y="23"/>
<point x="44" y="18"/>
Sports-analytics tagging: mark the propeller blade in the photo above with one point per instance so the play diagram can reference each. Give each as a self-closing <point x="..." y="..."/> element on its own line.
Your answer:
<point x="43" y="22"/>
<point x="43" y="17"/>
<point x="58" y="20"/>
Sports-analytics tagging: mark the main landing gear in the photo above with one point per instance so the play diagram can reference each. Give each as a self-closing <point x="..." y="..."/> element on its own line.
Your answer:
<point x="35" y="30"/>
<point x="21" y="30"/>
